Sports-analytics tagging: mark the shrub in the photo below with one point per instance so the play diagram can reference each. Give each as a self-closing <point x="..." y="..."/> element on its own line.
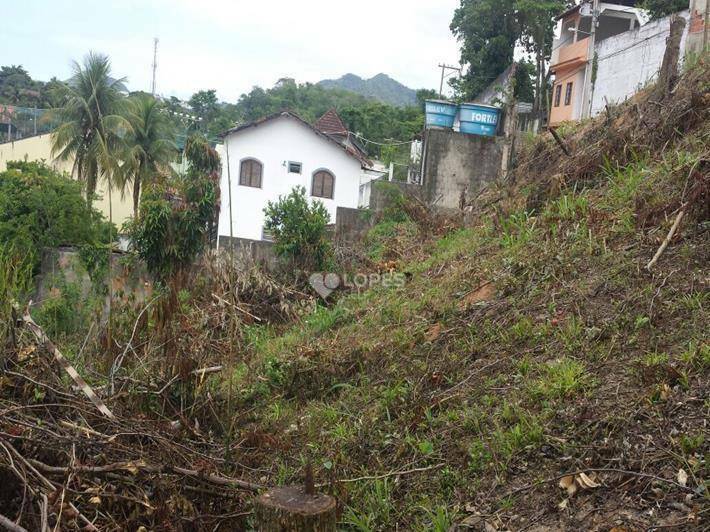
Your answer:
<point x="173" y="226"/>
<point x="40" y="208"/>
<point x="299" y="229"/>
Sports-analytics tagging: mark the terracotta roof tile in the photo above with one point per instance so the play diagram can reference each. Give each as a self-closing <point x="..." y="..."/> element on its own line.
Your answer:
<point x="331" y="124"/>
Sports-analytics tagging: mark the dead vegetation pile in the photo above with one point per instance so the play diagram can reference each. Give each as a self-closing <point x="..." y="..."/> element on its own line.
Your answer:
<point x="64" y="465"/>
<point x="645" y="125"/>
<point x="144" y="446"/>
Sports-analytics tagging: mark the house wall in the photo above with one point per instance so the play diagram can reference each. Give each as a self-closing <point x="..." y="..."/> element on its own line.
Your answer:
<point x="39" y="148"/>
<point x="274" y="143"/>
<point x="456" y="163"/>
<point x="699" y="30"/>
<point x="573" y="110"/>
<point x="629" y="61"/>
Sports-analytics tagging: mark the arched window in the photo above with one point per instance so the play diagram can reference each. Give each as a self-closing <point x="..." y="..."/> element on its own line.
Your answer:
<point x="323" y="184"/>
<point x="250" y="172"/>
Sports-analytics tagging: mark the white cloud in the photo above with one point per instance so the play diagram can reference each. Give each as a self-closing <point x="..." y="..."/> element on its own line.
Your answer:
<point x="311" y="40"/>
<point x="232" y="45"/>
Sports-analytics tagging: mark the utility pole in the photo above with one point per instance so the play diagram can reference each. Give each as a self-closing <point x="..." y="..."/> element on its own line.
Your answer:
<point x="444" y="67"/>
<point x="155" y="63"/>
<point x="588" y="74"/>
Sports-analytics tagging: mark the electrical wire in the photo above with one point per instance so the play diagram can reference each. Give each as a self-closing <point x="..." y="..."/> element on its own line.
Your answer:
<point x="396" y="143"/>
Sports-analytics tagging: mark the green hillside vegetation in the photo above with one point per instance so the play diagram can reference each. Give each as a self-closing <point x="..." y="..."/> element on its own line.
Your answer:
<point x="541" y="367"/>
<point x="380" y="87"/>
<point x="529" y="345"/>
<point x="372" y="119"/>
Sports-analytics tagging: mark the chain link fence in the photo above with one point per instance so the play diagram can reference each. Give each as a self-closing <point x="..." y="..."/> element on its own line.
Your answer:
<point x="21" y="122"/>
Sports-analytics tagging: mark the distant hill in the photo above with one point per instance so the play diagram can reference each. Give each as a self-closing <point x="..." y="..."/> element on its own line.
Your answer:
<point x="381" y="87"/>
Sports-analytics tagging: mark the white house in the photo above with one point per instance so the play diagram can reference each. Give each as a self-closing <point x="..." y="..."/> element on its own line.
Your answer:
<point x="266" y="159"/>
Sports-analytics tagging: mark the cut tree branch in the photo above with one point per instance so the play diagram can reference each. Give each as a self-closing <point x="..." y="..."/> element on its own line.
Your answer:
<point x="7" y="524"/>
<point x="668" y="239"/>
<point x="64" y="363"/>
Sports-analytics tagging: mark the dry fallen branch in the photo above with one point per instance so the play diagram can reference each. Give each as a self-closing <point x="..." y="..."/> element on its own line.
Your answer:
<point x="598" y="470"/>
<point x="668" y="239"/>
<point x="148" y="468"/>
<point x="7" y="524"/>
<point x="68" y="368"/>
<point x="392" y="474"/>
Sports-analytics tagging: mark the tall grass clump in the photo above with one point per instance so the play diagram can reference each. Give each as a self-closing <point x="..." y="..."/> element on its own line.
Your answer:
<point x="15" y="283"/>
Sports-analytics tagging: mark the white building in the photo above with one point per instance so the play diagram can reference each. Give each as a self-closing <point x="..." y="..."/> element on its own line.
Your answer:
<point x="266" y="159"/>
<point x="627" y="54"/>
<point x="629" y="61"/>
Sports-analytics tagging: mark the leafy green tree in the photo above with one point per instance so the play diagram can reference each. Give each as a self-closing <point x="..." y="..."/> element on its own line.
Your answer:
<point x="537" y="27"/>
<point x="524" y="88"/>
<point x="40" y="208"/>
<point x="205" y="163"/>
<point x="16" y="85"/>
<point x="150" y="147"/>
<point x="91" y="122"/>
<point x="661" y="8"/>
<point x="299" y="229"/>
<point x="488" y="31"/>
<point x="426" y="94"/>
<point x="173" y="225"/>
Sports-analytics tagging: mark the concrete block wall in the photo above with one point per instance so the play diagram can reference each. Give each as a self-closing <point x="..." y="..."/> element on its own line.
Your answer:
<point x="249" y="251"/>
<point x="352" y="224"/>
<point x="699" y="27"/>
<point x="130" y="284"/>
<point x="456" y="164"/>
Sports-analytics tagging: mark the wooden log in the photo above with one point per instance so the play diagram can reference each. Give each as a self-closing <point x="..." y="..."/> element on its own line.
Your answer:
<point x="291" y="509"/>
<point x="560" y="142"/>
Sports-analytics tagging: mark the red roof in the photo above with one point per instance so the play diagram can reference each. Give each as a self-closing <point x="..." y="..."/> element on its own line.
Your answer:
<point x="331" y="124"/>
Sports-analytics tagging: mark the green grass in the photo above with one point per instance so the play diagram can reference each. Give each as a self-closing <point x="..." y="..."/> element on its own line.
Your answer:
<point x="561" y="379"/>
<point x="368" y="391"/>
<point x="15" y="283"/>
<point x="374" y="510"/>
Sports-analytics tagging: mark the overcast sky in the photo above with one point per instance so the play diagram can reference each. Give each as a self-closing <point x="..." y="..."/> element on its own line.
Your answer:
<point x="232" y="45"/>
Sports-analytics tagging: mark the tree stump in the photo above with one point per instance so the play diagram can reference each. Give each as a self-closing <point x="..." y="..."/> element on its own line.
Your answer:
<point x="669" y="68"/>
<point x="291" y="509"/>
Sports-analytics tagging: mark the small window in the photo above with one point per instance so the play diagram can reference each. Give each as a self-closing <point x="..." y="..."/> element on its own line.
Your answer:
<point x="268" y="236"/>
<point x="250" y="173"/>
<point x="294" y="168"/>
<point x="323" y="184"/>
<point x="558" y="95"/>
<point x="568" y="94"/>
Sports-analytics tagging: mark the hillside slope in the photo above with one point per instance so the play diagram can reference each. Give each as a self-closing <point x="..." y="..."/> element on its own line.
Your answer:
<point x="380" y="87"/>
<point x="541" y="367"/>
<point x="529" y="348"/>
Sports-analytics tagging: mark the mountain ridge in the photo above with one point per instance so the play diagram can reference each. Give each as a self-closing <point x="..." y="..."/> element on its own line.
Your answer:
<point x="380" y="87"/>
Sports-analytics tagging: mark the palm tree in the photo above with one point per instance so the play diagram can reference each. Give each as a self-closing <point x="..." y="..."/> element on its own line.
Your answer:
<point x="90" y="121"/>
<point x="150" y="147"/>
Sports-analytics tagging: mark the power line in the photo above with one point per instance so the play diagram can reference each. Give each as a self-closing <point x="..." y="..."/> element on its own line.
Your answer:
<point x="396" y="143"/>
<point x="444" y="67"/>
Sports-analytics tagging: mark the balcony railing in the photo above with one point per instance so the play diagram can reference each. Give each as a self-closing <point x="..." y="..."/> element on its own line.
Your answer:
<point x="572" y="52"/>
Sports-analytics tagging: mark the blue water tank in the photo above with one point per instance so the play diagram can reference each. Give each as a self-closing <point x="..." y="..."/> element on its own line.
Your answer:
<point x="440" y="113"/>
<point x="479" y="119"/>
